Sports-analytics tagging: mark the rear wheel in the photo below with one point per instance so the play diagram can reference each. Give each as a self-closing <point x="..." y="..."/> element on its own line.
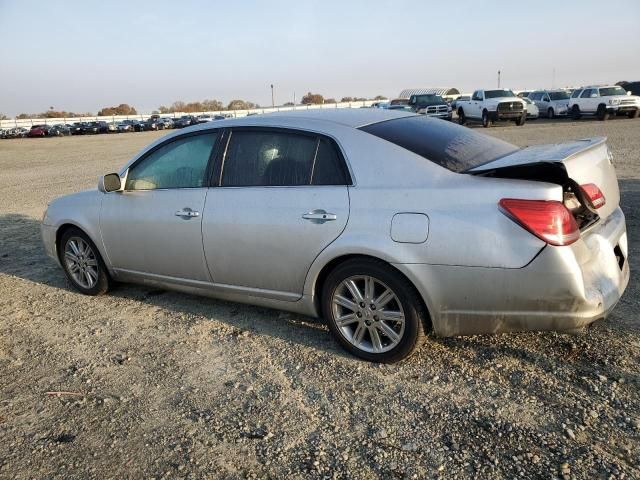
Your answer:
<point x="461" y="118"/>
<point x="550" y="113"/>
<point x="486" y="121"/>
<point x="373" y="311"/>
<point x="82" y="263"/>
<point x="575" y="112"/>
<point x="602" y="113"/>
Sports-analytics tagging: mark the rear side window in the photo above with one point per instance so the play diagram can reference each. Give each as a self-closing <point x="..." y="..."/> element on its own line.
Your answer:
<point x="586" y="93"/>
<point x="277" y="158"/>
<point x="328" y="169"/>
<point x="451" y="146"/>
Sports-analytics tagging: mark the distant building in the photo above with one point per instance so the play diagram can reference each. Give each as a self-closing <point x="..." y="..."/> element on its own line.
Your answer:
<point x="447" y="93"/>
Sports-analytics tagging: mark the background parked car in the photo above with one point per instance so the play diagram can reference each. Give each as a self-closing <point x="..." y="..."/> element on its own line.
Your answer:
<point x="603" y="101"/>
<point x="167" y="121"/>
<point x="77" y="128"/>
<point x="185" y="121"/>
<point x="551" y="103"/>
<point x="532" y="109"/>
<point x="60" y="130"/>
<point x="431" y="105"/>
<point x="112" y="127"/>
<point x="38" y="131"/>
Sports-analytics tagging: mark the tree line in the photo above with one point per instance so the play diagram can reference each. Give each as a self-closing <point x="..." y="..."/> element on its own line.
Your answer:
<point x="187" y="107"/>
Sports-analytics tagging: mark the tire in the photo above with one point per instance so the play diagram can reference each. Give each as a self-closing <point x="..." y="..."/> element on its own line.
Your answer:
<point x="461" y="117"/>
<point x="403" y="301"/>
<point x="575" y="112"/>
<point x="96" y="283"/>
<point x="602" y="113"/>
<point x="522" y="120"/>
<point x="634" y="114"/>
<point x="550" y="113"/>
<point x="486" y="121"/>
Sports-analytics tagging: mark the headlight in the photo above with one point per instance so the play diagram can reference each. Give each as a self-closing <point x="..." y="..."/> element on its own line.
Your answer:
<point x="614" y="101"/>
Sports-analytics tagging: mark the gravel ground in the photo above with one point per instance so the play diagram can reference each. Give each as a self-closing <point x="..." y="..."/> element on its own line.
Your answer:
<point x="166" y="385"/>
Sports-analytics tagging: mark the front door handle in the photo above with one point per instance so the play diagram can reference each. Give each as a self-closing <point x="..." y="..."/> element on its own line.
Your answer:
<point x="319" y="216"/>
<point x="187" y="213"/>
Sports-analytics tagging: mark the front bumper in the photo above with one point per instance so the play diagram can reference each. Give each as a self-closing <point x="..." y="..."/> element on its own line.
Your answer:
<point x="563" y="288"/>
<point x="497" y="116"/>
<point x="48" y="234"/>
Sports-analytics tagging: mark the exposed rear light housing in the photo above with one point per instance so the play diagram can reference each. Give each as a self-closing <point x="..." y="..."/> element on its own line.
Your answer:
<point x="549" y="220"/>
<point x="594" y="195"/>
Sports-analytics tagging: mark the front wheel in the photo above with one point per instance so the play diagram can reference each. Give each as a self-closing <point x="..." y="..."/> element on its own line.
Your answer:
<point x="82" y="263"/>
<point x="373" y="311"/>
<point x="602" y="113"/>
<point x="521" y="121"/>
<point x="486" y="122"/>
<point x="634" y="114"/>
<point x="550" y="113"/>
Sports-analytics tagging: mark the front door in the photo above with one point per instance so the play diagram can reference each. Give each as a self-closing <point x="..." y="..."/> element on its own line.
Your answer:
<point x="282" y="198"/>
<point x="154" y="225"/>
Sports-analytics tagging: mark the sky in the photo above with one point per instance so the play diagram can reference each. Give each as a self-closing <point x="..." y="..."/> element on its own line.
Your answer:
<point x="84" y="55"/>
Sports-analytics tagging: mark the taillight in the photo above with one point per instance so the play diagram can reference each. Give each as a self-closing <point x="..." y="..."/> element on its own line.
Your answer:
<point x="594" y="194"/>
<point x="548" y="220"/>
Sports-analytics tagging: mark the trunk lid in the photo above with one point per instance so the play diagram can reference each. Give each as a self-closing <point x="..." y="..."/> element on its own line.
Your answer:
<point x="581" y="161"/>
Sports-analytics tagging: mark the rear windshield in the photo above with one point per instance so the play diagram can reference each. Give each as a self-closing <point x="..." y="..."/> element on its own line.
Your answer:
<point x="451" y="146"/>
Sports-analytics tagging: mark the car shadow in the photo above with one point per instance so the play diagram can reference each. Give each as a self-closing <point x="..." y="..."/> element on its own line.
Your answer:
<point x="22" y="255"/>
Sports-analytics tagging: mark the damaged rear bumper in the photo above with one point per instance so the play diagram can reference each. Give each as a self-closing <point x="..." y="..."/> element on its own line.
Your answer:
<point x="563" y="288"/>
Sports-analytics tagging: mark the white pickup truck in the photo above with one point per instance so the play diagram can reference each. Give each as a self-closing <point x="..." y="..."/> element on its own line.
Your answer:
<point x="489" y="106"/>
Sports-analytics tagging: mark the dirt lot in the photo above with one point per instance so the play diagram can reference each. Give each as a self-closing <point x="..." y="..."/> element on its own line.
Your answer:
<point x="169" y="385"/>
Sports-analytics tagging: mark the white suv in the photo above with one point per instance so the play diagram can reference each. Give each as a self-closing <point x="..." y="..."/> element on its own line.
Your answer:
<point x="603" y="102"/>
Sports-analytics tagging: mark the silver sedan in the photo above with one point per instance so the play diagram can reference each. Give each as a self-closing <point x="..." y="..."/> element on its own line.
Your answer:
<point x="389" y="225"/>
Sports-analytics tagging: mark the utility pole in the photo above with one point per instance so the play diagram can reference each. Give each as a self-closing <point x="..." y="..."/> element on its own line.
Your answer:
<point x="273" y="102"/>
<point x="553" y="78"/>
<point x="498" y="78"/>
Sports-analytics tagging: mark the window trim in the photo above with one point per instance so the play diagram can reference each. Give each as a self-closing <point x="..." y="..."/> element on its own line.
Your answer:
<point x="208" y="169"/>
<point x="218" y="170"/>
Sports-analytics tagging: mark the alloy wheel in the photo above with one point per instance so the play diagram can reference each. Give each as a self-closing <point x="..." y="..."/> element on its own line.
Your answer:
<point x="81" y="262"/>
<point x="368" y="314"/>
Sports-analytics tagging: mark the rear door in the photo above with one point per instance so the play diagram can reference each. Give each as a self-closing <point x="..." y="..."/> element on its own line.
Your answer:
<point x="281" y="198"/>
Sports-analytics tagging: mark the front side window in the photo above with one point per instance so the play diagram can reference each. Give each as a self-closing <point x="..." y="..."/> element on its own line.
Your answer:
<point x="179" y="164"/>
<point x="277" y="158"/>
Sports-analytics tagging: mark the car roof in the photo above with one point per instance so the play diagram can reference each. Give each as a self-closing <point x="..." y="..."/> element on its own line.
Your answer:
<point x="350" y="117"/>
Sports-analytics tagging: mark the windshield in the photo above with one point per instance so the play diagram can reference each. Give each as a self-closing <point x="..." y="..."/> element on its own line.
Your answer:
<point x="446" y="144"/>
<point x="559" y="95"/>
<point x="428" y="100"/>
<point x="610" y="91"/>
<point x="498" y="93"/>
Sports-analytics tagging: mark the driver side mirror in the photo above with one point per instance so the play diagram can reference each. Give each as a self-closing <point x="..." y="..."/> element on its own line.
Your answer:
<point x="110" y="183"/>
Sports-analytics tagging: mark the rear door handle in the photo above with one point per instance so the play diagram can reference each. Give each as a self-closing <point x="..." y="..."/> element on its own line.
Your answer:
<point x="187" y="213"/>
<point x="319" y="216"/>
